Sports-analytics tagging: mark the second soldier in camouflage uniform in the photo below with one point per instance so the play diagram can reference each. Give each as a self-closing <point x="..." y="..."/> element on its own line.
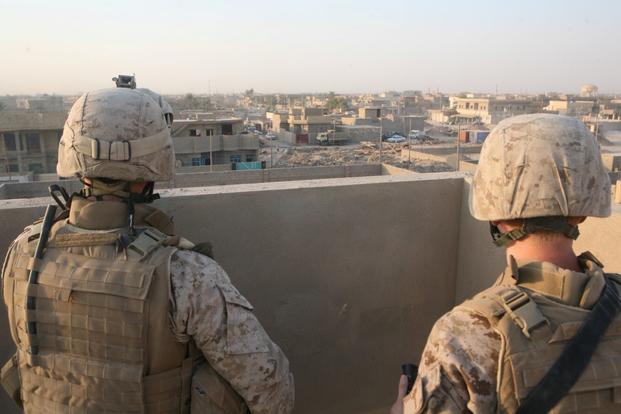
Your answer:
<point x="488" y="353"/>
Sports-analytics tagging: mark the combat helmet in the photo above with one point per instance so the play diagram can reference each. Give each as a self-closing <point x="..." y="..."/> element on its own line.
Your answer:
<point x="116" y="134"/>
<point x="541" y="168"/>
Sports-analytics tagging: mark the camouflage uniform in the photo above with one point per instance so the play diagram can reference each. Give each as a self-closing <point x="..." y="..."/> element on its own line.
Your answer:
<point x="208" y="309"/>
<point x="459" y="367"/>
<point x="142" y="299"/>
<point x="540" y="169"/>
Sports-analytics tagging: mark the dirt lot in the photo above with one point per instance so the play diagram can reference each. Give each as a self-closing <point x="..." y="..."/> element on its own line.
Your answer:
<point x="365" y="153"/>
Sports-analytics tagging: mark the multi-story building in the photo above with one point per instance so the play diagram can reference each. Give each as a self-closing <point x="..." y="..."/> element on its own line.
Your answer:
<point x="493" y="110"/>
<point x="303" y="124"/>
<point x="29" y="141"/>
<point x="572" y="106"/>
<point x="213" y="141"/>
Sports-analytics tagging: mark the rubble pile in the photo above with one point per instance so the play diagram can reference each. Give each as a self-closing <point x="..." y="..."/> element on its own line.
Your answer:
<point x="366" y="153"/>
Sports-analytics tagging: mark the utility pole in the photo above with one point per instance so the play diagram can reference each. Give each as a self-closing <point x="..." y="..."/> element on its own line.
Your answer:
<point x="210" y="153"/>
<point x="596" y="119"/>
<point x="380" y="141"/>
<point x="410" y="145"/>
<point x="271" y="154"/>
<point x="458" y="144"/>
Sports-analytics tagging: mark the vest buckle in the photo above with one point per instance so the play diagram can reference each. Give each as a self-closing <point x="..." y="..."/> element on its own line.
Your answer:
<point x="522" y="310"/>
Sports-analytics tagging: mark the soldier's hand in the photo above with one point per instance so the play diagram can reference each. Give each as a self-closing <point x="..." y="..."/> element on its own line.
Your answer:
<point x="397" y="407"/>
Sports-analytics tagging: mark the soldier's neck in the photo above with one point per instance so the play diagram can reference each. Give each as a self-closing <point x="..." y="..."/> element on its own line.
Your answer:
<point x="558" y="251"/>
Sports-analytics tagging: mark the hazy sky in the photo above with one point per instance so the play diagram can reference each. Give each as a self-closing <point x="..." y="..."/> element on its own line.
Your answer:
<point x="65" y="46"/>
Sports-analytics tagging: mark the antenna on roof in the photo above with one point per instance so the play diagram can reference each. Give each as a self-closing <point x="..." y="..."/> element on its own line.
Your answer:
<point x="125" y="81"/>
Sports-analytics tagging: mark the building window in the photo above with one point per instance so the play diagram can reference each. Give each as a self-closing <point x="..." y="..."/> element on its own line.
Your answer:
<point x="227" y="129"/>
<point x="195" y="132"/>
<point x="13" y="168"/>
<point x="249" y="158"/>
<point x="9" y="142"/>
<point x="196" y="162"/>
<point x="206" y="159"/>
<point x="33" y="143"/>
<point x="209" y="132"/>
<point x="35" y="168"/>
<point x="235" y="158"/>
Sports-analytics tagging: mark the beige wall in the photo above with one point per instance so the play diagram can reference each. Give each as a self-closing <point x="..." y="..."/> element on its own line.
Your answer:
<point x="200" y="176"/>
<point x="347" y="275"/>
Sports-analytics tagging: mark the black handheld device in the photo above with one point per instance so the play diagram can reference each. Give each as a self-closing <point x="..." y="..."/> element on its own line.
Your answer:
<point x="410" y="371"/>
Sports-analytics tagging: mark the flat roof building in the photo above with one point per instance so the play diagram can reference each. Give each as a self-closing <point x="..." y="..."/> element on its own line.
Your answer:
<point x="29" y="141"/>
<point x="213" y="141"/>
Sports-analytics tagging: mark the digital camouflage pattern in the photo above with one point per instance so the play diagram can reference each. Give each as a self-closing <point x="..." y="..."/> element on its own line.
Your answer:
<point x="458" y="368"/>
<point x="117" y="133"/>
<point x="540" y="165"/>
<point x="208" y="309"/>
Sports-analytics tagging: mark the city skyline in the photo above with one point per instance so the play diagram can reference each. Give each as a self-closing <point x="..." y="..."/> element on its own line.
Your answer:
<point x="352" y="47"/>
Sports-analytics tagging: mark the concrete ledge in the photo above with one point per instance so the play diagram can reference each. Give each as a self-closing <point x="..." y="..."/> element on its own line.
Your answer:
<point x="203" y="178"/>
<point x="348" y="275"/>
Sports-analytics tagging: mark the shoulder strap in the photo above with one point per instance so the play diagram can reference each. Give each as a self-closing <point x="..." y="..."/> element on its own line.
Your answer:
<point x="512" y="301"/>
<point x="564" y="373"/>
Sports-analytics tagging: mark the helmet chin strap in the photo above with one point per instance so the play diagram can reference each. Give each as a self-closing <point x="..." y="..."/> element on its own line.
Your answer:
<point x="121" y="190"/>
<point x="558" y="224"/>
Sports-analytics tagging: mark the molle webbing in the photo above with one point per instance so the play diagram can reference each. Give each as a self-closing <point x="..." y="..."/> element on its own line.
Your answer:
<point x="574" y="359"/>
<point x="88" y="346"/>
<point x="530" y="348"/>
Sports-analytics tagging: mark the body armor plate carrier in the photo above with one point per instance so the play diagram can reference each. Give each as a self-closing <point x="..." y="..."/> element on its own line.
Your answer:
<point x="534" y="331"/>
<point x="97" y="338"/>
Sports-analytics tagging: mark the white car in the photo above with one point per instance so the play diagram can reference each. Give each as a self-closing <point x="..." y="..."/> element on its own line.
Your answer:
<point x="396" y="138"/>
<point x="414" y="134"/>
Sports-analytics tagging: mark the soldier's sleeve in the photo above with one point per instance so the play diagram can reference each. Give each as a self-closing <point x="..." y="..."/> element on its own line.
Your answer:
<point x="207" y="308"/>
<point x="458" y="368"/>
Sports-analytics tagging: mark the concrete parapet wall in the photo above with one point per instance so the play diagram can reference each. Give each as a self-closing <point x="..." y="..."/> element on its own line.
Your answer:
<point x="347" y="275"/>
<point x="388" y="169"/>
<point x="36" y="188"/>
<point x="273" y="175"/>
<point x="202" y="178"/>
<point x="418" y="155"/>
<point x="341" y="275"/>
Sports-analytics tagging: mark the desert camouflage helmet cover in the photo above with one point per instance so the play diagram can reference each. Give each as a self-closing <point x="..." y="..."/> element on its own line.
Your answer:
<point x="537" y="166"/>
<point x="116" y="133"/>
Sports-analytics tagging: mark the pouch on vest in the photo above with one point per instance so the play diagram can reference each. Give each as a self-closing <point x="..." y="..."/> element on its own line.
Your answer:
<point x="9" y="377"/>
<point x="212" y="394"/>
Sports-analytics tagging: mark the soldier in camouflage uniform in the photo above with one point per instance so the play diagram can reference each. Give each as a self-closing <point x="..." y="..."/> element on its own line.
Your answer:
<point x="123" y="316"/>
<point x="539" y="176"/>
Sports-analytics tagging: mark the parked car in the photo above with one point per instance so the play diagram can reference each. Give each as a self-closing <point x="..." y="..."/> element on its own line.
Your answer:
<point x="414" y="134"/>
<point x="395" y="138"/>
<point x="269" y="135"/>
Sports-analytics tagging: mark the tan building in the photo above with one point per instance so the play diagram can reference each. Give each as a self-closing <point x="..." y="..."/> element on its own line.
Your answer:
<point x="29" y="141"/>
<point x="492" y="110"/>
<point x="441" y="116"/>
<point x="217" y="141"/>
<point x="370" y="113"/>
<point x="571" y="107"/>
<point x="303" y="123"/>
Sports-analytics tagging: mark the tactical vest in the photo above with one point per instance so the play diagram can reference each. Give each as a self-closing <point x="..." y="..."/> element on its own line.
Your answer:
<point x="92" y="335"/>
<point x="534" y="329"/>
